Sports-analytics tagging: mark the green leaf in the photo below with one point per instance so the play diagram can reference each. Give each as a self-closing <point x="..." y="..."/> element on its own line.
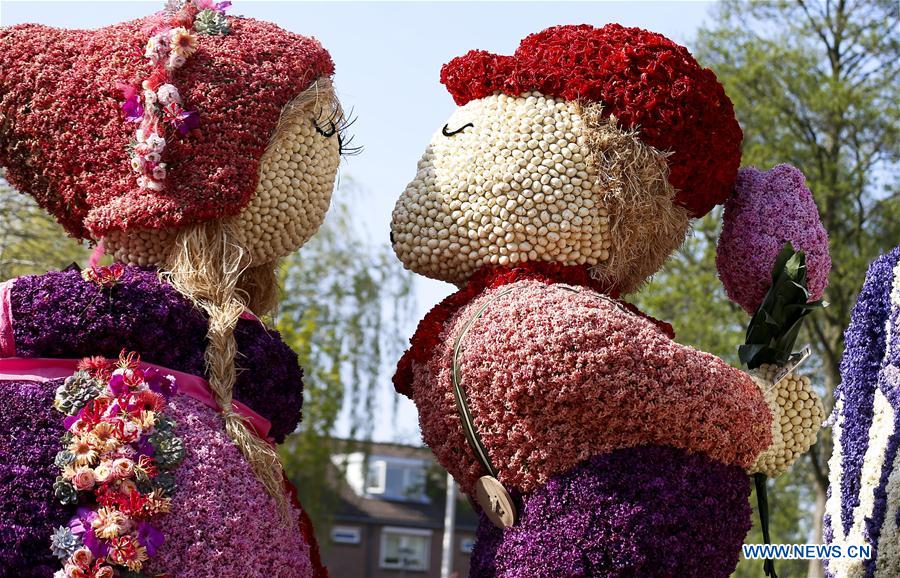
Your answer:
<point x="774" y="329"/>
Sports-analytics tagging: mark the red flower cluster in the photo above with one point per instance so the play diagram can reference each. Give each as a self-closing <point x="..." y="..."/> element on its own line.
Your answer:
<point x="642" y="78"/>
<point x="428" y="333"/>
<point x="104" y="276"/>
<point x="65" y="137"/>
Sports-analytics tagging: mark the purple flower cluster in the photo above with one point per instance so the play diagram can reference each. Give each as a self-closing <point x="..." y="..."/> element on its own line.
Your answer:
<point x="222" y="523"/>
<point x="767" y="210"/>
<point x="270" y="379"/>
<point x="59" y="314"/>
<point x="865" y="348"/>
<point x="643" y="511"/>
<point x="30" y="430"/>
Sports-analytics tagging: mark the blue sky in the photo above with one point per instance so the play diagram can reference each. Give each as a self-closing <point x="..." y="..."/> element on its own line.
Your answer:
<point x="388" y="57"/>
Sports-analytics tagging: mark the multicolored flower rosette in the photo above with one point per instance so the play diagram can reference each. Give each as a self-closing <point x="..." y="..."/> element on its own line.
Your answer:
<point x="863" y="505"/>
<point x="118" y="454"/>
<point x="593" y="442"/>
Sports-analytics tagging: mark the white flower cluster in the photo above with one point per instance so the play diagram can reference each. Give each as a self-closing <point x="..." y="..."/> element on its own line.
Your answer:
<point x="512" y="179"/>
<point x="880" y="432"/>
<point x="797" y="415"/>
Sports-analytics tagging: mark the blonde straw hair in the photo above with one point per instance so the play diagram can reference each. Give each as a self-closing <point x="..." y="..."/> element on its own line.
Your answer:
<point x="206" y="265"/>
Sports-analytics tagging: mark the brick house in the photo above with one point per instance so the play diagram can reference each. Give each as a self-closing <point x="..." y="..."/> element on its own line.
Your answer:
<point x="389" y="520"/>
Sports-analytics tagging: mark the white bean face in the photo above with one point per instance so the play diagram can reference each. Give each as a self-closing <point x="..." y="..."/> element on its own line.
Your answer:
<point x="510" y="180"/>
<point x="296" y="179"/>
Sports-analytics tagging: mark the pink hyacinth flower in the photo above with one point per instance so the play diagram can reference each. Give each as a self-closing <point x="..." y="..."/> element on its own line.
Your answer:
<point x="767" y="210"/>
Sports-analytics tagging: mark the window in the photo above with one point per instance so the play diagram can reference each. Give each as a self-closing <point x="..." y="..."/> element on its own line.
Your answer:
<point x="375" y="477"/>
<point x="405" y="548"/>
<point x="396" y="479"/>
<point x="466" y="545"/>
<point x="405" y="481"/>
<point x="345" y="534"/>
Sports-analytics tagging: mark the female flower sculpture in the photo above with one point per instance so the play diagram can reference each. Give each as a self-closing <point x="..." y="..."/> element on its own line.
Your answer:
<point x="200" y="148"/>
<point x="863" y="504"/>
<point x="595" y="444"/>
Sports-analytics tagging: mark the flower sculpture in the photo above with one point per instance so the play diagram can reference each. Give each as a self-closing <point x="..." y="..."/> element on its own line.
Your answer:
<point x="207" y="151"/>
<point x="864" y="470"/>
<point x="594" y="444"/>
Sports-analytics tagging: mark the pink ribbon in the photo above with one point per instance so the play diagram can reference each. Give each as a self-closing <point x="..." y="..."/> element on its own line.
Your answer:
<point x="97" y="254"/>
<point x="45" y="369"/>
<point x="7" y="338"/>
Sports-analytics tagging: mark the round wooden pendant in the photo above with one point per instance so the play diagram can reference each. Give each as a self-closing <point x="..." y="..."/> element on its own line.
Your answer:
<point x="495" y="501"/>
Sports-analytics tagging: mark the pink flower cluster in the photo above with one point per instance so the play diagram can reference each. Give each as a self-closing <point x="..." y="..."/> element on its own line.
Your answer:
<point x="767" y="210"/>
<point x="226" y="526"/>
<point x="554" y="378"/>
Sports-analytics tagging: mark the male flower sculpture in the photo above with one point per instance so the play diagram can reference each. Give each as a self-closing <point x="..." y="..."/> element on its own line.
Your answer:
<point x="595" y="444"/>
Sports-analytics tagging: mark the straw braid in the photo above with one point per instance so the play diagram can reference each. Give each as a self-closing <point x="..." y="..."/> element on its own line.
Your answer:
<point x="206" y="266"/>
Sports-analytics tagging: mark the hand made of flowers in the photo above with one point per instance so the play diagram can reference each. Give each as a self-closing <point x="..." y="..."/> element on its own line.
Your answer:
<point x="158" y="105"/>
<point x="118" y="454"/>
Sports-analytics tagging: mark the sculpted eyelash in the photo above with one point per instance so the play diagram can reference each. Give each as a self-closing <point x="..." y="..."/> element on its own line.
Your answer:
<point x="338" y="124"/>
<point x="446" y="132"/>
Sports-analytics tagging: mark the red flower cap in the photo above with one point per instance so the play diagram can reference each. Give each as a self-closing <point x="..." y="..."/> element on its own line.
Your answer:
<point x="645" y="80"/>
<point x="64" y="136"/>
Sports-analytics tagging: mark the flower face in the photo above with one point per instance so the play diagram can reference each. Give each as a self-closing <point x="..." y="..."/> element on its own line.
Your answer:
<point x="515" y="179"/>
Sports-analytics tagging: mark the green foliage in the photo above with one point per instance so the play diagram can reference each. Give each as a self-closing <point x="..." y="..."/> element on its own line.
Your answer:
<point x="814" y="84"/>
<point x="31" y="242"/>
<point x="774" y="328"/>
<point x="344" y="308"/>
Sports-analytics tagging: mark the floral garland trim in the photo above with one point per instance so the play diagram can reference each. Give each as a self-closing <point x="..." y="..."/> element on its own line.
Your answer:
<point x="116" y="464"/>
<point x="158" y="103"/>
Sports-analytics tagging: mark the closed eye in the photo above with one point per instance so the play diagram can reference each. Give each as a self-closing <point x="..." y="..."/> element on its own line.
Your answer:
<point x="447" y="132"/>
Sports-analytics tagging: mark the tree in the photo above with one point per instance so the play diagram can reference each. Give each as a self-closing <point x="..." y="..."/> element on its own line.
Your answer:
<point x="31" y="242"/>
<point x="344" y="310"/>
<point x="814" y="84"/>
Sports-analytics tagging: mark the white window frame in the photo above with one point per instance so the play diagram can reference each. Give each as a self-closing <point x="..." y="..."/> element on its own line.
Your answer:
<point x="401" y="531"/>
<point x="354" y="534"/>
<point x="379" y="466"/>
